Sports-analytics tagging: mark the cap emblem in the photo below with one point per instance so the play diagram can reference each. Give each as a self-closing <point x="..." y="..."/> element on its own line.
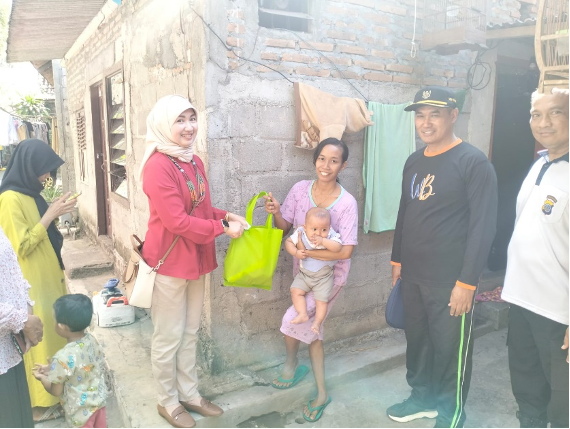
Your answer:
<point x="426" y="95"/>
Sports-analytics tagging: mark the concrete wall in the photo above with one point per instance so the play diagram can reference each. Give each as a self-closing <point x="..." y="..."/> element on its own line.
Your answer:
<point x="251" y="130"/>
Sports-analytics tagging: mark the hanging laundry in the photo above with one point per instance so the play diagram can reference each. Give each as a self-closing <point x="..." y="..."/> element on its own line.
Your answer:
<point x="23" y="132"/>
<point x="8" y="133"/>
<point x="321" y="115"/>
<point x="387" y="145"/>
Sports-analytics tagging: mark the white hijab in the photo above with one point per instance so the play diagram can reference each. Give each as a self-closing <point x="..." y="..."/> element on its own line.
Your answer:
<point x="158" y="130"/>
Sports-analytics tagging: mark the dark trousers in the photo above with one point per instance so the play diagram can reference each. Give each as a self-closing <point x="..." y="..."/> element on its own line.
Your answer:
<point x="438" y="377"/>
<point x="539" y="371"/>
<point x="15" y="405"/>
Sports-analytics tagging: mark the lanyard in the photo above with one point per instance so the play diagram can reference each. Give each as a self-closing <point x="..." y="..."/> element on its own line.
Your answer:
<point x="199" y="180"/>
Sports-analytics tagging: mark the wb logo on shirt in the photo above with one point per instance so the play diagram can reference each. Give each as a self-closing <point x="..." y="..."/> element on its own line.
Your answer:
<point x="424" y="190"/>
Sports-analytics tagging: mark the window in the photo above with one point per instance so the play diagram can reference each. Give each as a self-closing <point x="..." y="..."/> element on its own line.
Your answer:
<point x="289" y="14"/>
<point x="81" y="144"/>
<point x="116" y="130"/>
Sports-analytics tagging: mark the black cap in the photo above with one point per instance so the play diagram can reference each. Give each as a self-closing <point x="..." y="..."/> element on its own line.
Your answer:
<point x="433" y="96"/>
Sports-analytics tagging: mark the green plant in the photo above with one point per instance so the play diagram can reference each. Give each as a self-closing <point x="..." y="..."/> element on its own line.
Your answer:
<point x="30" y="106"/>
<point x="51" y="192"/>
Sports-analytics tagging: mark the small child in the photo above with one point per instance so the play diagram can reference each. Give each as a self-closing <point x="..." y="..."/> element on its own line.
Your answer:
<point x="76" y="373"/>
<point x="314" y="274"/>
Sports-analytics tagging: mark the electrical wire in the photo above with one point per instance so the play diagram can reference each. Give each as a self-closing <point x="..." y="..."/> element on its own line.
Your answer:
<point x="232" y="49"/>
<point x="326" y="58"/>
<point x="486" y="70"/>
<point x="414" y="48"/>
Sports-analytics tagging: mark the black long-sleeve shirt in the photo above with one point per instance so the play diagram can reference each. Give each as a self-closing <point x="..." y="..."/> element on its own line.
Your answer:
<point x="447" y="217"/>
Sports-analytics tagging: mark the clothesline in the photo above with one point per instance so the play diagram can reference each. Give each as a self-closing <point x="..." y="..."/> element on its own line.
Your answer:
<point x="15" y="128"/>
<point x="23" y="118"/>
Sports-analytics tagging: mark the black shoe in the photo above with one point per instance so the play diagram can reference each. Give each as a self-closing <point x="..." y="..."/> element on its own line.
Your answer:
<point x="409" y="410"/>
<point x="531" y="422"/>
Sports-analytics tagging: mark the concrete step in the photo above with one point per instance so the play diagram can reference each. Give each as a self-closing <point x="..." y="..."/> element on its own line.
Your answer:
<point x="490" y="280"/>
<point x="82" y="259"/>
<point x="495" y="313"/>
<point x="127" y="352"/>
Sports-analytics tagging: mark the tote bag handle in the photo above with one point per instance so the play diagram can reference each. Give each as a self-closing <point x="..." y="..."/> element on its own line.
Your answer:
<point x="251" y="206"/>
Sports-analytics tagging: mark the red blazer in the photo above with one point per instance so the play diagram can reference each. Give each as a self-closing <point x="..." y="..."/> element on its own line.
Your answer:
<point x="169" y="202"/>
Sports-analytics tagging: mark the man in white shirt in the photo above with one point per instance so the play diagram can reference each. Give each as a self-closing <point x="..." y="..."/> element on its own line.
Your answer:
<point x="536" y="280"/>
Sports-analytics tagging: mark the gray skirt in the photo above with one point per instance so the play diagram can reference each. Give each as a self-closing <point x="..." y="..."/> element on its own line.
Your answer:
<point x="15" y="406"/>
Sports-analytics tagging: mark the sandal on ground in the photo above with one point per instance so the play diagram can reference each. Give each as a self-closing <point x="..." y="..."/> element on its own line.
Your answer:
<point x="319" y="410"/>
<point x="300" y="373"/>
<point x="51" y="413"/>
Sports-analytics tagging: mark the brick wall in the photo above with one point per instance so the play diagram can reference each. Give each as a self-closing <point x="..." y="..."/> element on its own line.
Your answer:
<point x="367" y="40"/>
<point x="83" y="64"/>
<point x="251" y="130"/>
<point x="80" y="67"/>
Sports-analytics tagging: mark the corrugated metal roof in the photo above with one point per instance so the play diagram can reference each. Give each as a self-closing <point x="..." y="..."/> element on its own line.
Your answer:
<point x="516" y="23"/>
<point x="42" y="30"/>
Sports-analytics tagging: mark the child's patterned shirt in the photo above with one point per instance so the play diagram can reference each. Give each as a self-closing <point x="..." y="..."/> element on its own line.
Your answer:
<point x="80" y="367"/>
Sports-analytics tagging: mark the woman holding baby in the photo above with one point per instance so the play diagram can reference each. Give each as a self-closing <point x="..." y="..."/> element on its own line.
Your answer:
<point x="324" y="191"/>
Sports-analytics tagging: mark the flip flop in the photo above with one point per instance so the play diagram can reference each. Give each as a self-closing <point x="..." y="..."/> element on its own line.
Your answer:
<point x="319" y="410"/>
<point x="300" y="373"/>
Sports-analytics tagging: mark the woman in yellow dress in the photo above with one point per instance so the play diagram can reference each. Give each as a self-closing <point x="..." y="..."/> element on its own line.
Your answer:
<point x="28" y="223"/>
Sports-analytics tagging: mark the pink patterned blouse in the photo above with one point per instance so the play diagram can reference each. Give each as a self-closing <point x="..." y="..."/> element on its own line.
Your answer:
<point x="344" y="220"/>
<point x="14" y="302"/>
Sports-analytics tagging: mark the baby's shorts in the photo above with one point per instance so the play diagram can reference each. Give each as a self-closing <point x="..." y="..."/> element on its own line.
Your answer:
<point x="320" y="282"/>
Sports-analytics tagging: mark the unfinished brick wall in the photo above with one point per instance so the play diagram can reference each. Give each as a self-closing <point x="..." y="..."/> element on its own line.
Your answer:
<point x="80" y="65"/>
<point x="367" y="40"/>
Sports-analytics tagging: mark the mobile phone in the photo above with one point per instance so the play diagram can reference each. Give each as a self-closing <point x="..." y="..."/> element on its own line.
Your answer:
<point x="74" y="196"/>
<point x="20" y="342"/>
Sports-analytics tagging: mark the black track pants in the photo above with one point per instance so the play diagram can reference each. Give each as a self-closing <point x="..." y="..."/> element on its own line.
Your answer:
<point x="438" y="362"/>
<point x="539" y="371"/>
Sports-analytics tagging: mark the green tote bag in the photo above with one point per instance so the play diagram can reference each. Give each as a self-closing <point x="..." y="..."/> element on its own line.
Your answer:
<point x="251" y="259"/>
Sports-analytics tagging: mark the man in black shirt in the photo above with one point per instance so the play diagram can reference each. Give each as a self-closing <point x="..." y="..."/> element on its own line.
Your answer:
<point x="446" y="225"/>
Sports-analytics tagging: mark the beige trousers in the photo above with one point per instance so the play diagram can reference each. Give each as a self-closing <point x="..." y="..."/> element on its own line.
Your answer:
<point x="176" y="311"/>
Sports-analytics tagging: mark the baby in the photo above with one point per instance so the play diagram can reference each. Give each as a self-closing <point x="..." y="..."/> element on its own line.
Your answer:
<point x="314" y="274"/>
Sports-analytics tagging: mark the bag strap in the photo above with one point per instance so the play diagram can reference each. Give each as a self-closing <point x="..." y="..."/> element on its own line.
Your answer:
<point x="166" y="254"/>
<point x="171" y="246"/>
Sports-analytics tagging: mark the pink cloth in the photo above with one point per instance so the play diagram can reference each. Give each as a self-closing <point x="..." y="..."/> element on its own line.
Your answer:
<point x="98" y="419"/>
<point x="344" y="220"/>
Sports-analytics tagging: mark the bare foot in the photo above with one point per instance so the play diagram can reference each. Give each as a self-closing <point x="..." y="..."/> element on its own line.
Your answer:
<point x="301" y="318"/>
<point x="316" y="327"/>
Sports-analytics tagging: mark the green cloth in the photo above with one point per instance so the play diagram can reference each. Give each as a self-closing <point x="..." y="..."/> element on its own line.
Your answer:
<point x="387" y="145"/>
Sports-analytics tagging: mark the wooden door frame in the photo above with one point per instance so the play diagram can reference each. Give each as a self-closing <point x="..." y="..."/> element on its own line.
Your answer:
<point x="97" y="97"/>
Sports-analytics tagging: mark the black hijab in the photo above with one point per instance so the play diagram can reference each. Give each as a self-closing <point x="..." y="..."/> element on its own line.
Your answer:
<point x="31" y="159"/>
